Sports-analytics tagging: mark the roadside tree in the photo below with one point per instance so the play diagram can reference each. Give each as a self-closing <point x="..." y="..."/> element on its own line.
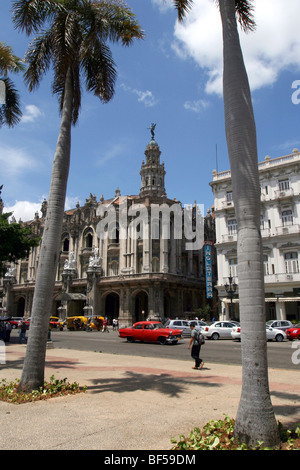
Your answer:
<point x="255" y="420"/>
<point x="72" y="36"/>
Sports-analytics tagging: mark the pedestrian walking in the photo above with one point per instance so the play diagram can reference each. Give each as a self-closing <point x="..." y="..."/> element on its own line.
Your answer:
<point x="7" y="331"/>
<point x="195" y="343"/>
<point x="115" y="324"/>
<point x="22" y="334"/>
<point x="105" y="326"/>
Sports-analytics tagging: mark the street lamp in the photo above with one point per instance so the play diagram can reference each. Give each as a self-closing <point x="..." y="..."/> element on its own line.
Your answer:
<point x="230" y="289"/>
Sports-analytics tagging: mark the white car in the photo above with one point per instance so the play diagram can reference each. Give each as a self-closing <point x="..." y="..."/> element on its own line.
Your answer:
<point x="179" y="325"/>
<point x="200" y="324"/>
<point x="218" y="330"/>
<point x="272" y="334"/>
<point x="280" y="324"/>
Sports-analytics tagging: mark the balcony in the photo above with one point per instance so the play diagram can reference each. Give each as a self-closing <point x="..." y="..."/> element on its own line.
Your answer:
<point x="282" y="278"/>
<point x="284" y="193"/>
<point x="287" y="230"/>
<point x="227" y="205"/>
<point x="229" y="238"/>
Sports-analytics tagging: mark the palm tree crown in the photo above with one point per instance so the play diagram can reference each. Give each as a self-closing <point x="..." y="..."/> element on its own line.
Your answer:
<point x="243" y="9"/>
<point x="76" y="39"/>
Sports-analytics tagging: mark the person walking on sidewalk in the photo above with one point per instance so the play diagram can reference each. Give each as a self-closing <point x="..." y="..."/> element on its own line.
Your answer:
<point x="195" y="343"/>
<point x="22" y="334"/>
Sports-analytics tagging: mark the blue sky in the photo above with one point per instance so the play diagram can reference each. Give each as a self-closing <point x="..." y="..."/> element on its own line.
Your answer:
<point x="171" y="78"/>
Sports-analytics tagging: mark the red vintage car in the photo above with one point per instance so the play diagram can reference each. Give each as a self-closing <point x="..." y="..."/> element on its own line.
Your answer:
<point x="150" y="332"/>
<point x="293" y="333"/>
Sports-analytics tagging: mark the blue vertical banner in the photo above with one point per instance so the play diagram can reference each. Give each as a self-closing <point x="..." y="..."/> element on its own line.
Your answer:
<point x="208" y="272"/>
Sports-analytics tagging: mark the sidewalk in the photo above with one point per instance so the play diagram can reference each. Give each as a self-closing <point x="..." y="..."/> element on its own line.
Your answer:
<point x="131" y="403"/>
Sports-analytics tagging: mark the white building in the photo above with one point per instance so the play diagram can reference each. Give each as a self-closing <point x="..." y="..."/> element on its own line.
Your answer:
<point x="280" y="230"/>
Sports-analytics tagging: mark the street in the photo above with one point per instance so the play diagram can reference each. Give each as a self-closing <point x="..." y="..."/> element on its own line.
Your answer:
<point x="220" y="351"/>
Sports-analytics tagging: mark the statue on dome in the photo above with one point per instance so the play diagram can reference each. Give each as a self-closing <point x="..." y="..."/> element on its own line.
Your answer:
<point x="152" y="129"/>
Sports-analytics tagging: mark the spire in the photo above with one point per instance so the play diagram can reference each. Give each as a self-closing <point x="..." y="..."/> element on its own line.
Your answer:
<point x="152" y="172"/>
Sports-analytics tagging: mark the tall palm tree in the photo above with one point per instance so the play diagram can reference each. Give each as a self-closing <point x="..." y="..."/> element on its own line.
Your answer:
<point x="75" y="43"/>
<point x="255" y="420"/>
<point x="10" y="111"/>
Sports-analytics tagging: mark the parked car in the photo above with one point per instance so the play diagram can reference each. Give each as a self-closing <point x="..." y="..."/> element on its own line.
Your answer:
<point x="218" y="330"/>
<point x="271" y="333"/>
<point x="293" y="333"/>
<point x="176" y="324"/>
<point x="280" y="324"/>
<point x="150" y="332"/>
<point x="200" y="324"/>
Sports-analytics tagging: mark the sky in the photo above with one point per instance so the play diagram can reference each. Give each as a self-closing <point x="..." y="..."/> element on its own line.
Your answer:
<point x="173" y="78"/>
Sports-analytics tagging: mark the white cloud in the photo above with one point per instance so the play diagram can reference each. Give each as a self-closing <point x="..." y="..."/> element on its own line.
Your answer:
<point x="31" y="114"/>
<point x="24" y="210"/>
<point x="164" y="5"/>
<point x="197" y="105"/>
<point x="145" y="97"/>
<point x="70" y="202"/>
<point x="13" y="161"/>
<point x="272" y="48"/>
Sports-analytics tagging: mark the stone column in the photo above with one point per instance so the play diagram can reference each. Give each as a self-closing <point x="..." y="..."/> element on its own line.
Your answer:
<point x="280" y="311"/>
<point x="125" y="317"/>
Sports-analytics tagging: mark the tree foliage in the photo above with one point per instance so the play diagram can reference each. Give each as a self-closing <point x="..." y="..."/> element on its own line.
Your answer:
<point x="16" y="241"/>
<point x="10" y="112"/>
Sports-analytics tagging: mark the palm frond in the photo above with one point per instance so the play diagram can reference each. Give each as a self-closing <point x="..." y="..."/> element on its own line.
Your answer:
<point x="182" y="7"/>
<point x="10" y="112"/>
<point x="8" y="61"/>
<point x="38" y="58"/>
<point x="30" y="15"/>
<point x="100" y="72"/>
<point x="244" y="10"/>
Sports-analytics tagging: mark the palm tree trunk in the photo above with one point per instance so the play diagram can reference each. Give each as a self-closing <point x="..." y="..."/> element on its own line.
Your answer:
<point x="33" y="370"/>
<point x="255" y="420"/>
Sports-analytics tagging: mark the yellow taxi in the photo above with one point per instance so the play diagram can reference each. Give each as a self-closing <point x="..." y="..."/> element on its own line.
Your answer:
<point x="77" y="323"/>
<point x="56" y="322"/>
<point x="96" y="323"/>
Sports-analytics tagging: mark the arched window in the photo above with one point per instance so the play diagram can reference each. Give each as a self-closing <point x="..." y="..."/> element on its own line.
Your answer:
<point x="88" y="238"/>
<point x="66" y="243"/>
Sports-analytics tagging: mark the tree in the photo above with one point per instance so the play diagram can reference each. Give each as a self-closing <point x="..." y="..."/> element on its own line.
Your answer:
<point x="10" y="111"/>
<point x="255" y="420"/>
<point x="75" y="43"/>
<point x="16" y="240"/>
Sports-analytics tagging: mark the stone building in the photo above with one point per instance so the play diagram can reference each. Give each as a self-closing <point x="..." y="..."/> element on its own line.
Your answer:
<point x="280" y="230"/>
<point x="118" y="261"/>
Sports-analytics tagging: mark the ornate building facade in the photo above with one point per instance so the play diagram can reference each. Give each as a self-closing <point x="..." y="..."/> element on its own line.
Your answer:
<point x="117" y="261"/>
